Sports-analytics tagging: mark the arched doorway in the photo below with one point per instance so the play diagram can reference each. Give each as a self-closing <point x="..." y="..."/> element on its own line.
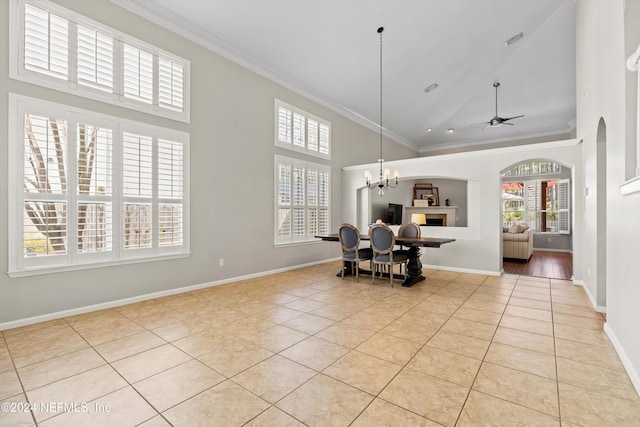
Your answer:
<point x="536" y="194"/>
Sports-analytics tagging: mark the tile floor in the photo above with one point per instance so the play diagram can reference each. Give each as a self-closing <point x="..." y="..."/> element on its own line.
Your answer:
<point x="307" y="348"/>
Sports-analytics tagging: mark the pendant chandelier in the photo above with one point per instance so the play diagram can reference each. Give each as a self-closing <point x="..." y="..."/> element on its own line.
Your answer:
<point x="385" y="174"/>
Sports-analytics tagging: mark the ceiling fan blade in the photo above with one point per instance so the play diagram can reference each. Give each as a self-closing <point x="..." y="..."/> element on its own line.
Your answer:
<point x="486" y="127"/>
<point x="511" y="118"/>
<point x="481" y="123"/>
<point x="505" y="123"/>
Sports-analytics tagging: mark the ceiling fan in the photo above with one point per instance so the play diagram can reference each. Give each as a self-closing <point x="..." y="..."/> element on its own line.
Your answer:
<point x="497" y="121"/>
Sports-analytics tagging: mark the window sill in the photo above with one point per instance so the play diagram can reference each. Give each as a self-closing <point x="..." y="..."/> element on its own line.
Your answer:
<point x="630" y="187"/>
<point x="58" y="269"/>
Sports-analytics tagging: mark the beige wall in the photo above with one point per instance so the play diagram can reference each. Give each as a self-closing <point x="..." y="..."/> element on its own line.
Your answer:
<point x="232" y="152"/>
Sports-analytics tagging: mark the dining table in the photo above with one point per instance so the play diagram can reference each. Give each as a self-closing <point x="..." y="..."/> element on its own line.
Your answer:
<point x="414" y="265"/>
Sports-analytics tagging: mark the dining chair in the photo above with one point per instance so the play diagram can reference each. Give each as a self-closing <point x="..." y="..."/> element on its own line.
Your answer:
<point x="382" y="243"/>
<point x="350" y="243"/>
<point x="408" y="229"/>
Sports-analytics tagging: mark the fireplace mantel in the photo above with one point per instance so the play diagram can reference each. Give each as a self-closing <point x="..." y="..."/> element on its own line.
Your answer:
<point x="449" y="211"/>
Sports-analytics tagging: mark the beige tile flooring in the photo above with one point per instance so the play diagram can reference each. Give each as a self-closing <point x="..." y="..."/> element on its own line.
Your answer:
<point x="307" y="348"/>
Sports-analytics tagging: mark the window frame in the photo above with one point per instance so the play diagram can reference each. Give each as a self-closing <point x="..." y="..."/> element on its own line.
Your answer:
<point x="74" y="259"/>
<point x="308" y="233"/>
<point x="291" y="145"/>
<point x="72" y="84"/>
<point x="563" y="208"/>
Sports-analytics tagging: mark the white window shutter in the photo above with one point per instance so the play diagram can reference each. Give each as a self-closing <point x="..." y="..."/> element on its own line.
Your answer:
<point x="284" y="125"/>
<point x="312" y="134"/>
<point x="45" y="186"/>
<point x="95" y="59"/>
<point x="94" y="189"/>
<point x="170" y="84"/>
<point x="170" y="188"/>
<point x="137" y="158"/>
<point x="138" y="74"/>
<point x="46" y="42"/>
<point x="324" y="137"/>
<point x="137" y="179"/>
<point x="564" y="204"/>
<point x="302" y="200"/>
<point x="299" y="130"/>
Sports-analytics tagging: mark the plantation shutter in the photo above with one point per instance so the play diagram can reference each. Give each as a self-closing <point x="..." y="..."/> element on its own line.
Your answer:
<point x="324" y="138"/>
<point x="46" y="40"/>
<point x="323" y="202"/>
<point x="170" y="84"/>
<point x="170" y="192"/>
<point x="138" y="74"/>
<point x="45" y="186"/>
<point x="283" y="201"/>
<point x="284" y="125"/>
<point x="94" y="189"/>
<point x="298" y="130"/>
<point x="137" y="190"/>
<point x="95" y="59"/>
<point x="564" y="218"/>
<point x="532" y="203"/>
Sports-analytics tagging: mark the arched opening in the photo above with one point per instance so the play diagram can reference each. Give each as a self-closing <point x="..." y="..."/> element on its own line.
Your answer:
<point x="601" y="202"/>
<point x="536" y="219"/>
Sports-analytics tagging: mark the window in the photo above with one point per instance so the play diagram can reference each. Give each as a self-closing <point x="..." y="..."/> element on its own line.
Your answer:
<point x="92" y="189"/>
<point x="57" y="48"/>
<point x="299" y="131"/>
<point x="302" y="200"/>
<point x="542" y="204"/>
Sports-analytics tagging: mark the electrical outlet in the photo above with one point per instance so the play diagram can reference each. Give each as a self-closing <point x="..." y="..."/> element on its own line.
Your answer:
<point x="221" y="262"/>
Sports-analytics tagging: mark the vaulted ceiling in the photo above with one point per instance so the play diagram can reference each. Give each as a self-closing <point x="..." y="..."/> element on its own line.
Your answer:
<point x="329" y="50"/>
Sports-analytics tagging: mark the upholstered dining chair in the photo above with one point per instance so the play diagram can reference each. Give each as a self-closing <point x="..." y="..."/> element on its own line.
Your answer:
<point x="408" y="229"/>
<point x="382" y="243"/>
<point x="350" y="242"/>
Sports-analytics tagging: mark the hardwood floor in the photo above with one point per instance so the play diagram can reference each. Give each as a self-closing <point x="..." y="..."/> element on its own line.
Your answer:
<point x="553" y="265"/>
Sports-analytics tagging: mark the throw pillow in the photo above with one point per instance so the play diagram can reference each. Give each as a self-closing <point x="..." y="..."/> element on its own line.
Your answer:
<point x="513" y="229"/>
<point x="522" y="228"/>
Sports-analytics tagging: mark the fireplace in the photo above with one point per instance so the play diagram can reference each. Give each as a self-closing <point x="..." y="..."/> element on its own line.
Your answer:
<point x="436" y="220"/>
<point x="443" y="216"/>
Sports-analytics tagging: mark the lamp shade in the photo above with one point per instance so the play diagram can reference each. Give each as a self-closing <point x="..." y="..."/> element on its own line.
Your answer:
<point x="419" y="219"/>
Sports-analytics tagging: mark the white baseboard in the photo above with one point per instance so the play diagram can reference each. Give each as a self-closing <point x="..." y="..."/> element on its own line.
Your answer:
<point x="553" y="250"/>
<point x="117" y="303"/>
<point x="592" y="300"/>
<point x="628" y="366"/>
<point x="462" y="270"/>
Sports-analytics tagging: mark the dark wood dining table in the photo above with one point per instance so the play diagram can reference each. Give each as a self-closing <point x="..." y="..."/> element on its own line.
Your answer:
<point x="414" y="265"/>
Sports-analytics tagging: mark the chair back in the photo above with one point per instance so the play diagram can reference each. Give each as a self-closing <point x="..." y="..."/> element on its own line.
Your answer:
<point x="382" y="239"/>
<point x="349" y="237"/>
<point x="409" y="229"/>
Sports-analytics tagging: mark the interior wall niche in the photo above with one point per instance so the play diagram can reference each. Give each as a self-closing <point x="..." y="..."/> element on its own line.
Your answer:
<point x="453" y="190"/>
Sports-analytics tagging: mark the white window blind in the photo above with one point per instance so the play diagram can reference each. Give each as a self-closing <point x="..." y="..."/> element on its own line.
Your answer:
<point x="302" y="200"/>
<point x="63" y="50"/>
<point x="300" y="131"/>
<point x="92" y="189"/>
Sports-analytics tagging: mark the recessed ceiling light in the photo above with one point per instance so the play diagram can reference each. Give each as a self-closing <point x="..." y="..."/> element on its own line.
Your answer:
<point x="431" y="87"/>
<point x="429" y="129"/>
<point x="450" y="130"/>
<point x="513" y="39"/>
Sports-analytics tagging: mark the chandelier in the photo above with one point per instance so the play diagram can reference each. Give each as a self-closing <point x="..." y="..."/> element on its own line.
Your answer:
<point x="385" y="174"/>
